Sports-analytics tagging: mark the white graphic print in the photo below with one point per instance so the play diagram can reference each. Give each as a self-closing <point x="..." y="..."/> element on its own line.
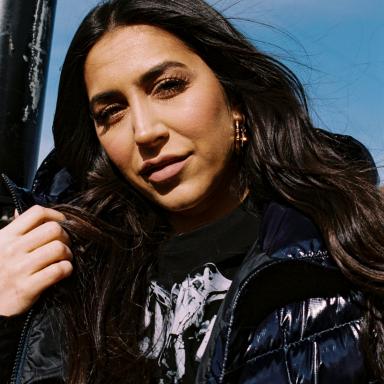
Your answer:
<point x="178" y="318"/>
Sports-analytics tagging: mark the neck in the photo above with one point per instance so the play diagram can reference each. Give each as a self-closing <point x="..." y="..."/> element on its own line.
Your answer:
<point x="210" y="211"/>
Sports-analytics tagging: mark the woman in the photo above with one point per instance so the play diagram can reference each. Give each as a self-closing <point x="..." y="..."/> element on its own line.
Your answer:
<point x="196" y="228"/>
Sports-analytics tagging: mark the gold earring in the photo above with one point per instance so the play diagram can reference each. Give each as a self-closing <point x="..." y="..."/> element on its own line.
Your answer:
<point x="240" y="136"/>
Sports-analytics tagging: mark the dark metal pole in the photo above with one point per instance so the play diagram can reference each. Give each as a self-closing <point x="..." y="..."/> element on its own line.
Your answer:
<point x="26" y="28"/>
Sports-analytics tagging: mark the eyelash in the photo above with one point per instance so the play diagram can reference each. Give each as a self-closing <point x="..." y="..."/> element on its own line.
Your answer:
<point x="164" y="89"/>
<point x="169" y="87"/>
<point x="105" y="116"/>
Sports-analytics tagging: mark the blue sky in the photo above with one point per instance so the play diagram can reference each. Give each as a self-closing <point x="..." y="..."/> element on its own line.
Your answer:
<point x="335" y="47"/>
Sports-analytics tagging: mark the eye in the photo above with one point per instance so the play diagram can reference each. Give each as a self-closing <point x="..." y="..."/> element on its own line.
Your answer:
<point x="108" y="115"/>
<point x="170" y="87"/>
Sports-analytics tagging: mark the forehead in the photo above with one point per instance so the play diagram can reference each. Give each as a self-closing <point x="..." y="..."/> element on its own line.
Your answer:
<point x="137" y="48"/>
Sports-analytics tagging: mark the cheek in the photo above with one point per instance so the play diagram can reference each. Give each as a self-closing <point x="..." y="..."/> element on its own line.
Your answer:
<point x="119" y="150"/>
<point x="203" y="114"/>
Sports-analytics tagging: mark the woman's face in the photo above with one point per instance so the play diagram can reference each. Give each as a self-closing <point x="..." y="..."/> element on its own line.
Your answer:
<point x="163" y="119"/>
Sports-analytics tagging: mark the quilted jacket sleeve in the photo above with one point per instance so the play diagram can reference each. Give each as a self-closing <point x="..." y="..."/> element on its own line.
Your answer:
<point x="313" y="337"/>
<point x="313" y="341"/>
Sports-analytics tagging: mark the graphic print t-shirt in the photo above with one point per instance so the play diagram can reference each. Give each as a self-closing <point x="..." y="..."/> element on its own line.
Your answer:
<point x="193" y="275"/>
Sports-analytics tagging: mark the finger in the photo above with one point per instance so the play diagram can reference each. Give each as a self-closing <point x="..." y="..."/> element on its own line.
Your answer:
<point x="32" y="218"/>
<point x="50" y="275"/>
<point x="45" y="256"/>
<point x="43" y="234"/>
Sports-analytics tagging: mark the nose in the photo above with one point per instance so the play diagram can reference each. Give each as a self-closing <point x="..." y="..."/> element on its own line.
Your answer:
<point x="148" y="127"/>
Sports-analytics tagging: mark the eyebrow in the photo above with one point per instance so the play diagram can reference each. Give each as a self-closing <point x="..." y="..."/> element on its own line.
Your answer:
<point x="157" y="70"/>
<point x="102" y="98"/>
<point x="145" y="79"/>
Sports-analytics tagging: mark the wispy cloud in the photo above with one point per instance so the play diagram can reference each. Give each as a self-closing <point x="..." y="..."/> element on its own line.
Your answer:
<point x="342" y="38"/>
<point x="319" y="8"/>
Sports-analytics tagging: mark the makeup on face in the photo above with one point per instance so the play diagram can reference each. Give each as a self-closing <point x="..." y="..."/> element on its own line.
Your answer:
<point x="162" y="117"/>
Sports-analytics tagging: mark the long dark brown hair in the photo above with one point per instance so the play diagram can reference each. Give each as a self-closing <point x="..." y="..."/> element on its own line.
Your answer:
<point x="116" y="232"/>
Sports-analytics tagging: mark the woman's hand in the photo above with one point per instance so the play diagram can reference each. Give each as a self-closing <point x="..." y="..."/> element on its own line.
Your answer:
<point x="34" y="254"/>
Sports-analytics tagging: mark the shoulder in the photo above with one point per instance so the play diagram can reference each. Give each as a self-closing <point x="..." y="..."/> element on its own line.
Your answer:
<point x="289" y="245"/>
<point x="289" y="311"/>
<point x="289" y="264"/>
<point x="283" y="225"/>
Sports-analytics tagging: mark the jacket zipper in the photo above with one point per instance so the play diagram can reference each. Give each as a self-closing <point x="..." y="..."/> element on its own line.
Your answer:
<point x="231" y="320"/>
<point x="12" y="192"/>
<point x="235" y="302"/>
<point x="27" y="321"/>
<point x="20" y="347"/>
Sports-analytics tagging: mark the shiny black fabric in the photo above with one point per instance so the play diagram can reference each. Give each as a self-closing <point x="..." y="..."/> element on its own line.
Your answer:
<point x="289" y="315"/>
<point x="10" y="330"/>
<point x="43" y="356"/>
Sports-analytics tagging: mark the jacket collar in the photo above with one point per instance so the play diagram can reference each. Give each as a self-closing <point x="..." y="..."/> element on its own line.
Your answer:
<point x="52" y="184"/>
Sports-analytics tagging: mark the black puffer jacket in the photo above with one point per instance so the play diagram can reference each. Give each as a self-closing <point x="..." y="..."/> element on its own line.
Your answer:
<point x="289" y="316"/>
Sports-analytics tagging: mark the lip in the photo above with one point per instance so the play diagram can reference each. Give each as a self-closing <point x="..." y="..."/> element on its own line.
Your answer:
<point x="164" y="168"/>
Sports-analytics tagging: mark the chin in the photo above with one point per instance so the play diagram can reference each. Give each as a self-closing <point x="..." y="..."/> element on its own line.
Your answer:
<point x="180" y="203"/>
